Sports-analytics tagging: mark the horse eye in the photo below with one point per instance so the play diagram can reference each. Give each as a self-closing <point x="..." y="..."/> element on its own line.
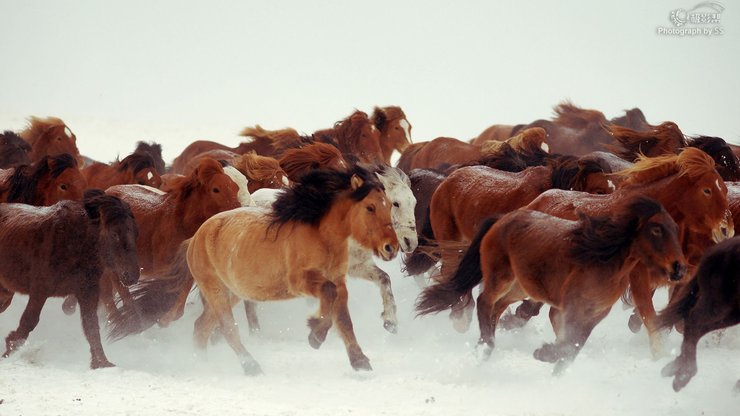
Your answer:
<point x="371" y="208"/>
<point x="707" y="191"/>
<point x="63" y="187"/>
<point x="216" y="190"/>
<point x="656" y="231"/>
<point x="396" y="204"/>
<point x="59" y="139"/>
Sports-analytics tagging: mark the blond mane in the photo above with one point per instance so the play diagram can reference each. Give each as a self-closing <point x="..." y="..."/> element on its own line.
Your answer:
<point x="690" y="162"/>
<point x="38" y="126"/>
<point x="256" y="167"/>
<point x="569" y="115"/>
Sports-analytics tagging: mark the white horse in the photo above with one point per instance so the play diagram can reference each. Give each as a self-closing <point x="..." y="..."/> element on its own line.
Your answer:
<point x="361" y="265"/>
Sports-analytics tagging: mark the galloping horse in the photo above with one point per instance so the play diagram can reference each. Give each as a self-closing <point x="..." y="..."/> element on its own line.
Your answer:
<point x="71" y="243"/>
<point x="580" y="268"/>
<point x="301" y="160"/>
<point x="50" y="137"/>
<point x="14" y="151"/>
<point x="394" y="128"/>
<point x="689" y="188"/>
<point x="136" y="168"/>
<point x="45" y="182"/>
<point x="442" y="150"/>
<point x="300" y="248"/>
<point x="709" y="302"/>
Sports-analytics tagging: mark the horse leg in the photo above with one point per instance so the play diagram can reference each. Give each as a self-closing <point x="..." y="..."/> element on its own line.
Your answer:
<point x="107" y="294"/>
<point x="5" y="298"/>
<point x="362" y="266"/>
<point x="178" y="309"/>
<point x="576" y="329"/>
<point x="642" y="295"/>
<point x="88" y="300"/>
<point x="322" y="320"/>
<point x="29" y="320"/>
<point x="252" y="319"/>
<point x="341" y="318"/>
<point x="523" y="314"/>
<point x="461" y="314"/>
<point x="490" y="306"/>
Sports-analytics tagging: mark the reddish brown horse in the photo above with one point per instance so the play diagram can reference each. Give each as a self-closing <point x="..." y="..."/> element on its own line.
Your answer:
<point x="261" y="171"/>
<point x="45" y="182"/>
<point x="709" y="302"/>
<point x="394" y="128"/>
<point x="14" y="151"/>
<point x="67" y="247"/>
<point x="136" y="168"/>
<point x="580" y="268"/>
<point x="692" y="192"/>
<point x="50" y="137"/>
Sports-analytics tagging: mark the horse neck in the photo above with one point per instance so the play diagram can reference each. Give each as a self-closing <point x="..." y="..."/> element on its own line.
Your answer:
<point x="386" y="148"/>
<point x="336" y="224"/>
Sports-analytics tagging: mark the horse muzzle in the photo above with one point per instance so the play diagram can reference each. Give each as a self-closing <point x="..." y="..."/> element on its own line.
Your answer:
<point x="677" y="272"/>
<point x="388" y="252"/>
<point x="725" y="229"/>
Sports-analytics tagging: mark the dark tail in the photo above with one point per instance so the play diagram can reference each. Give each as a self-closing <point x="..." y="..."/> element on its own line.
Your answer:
<point x="468" y="274"/>
<point x="151" y="299"/>
<point x="679" y="307"/>
<point x="421" y="260"/>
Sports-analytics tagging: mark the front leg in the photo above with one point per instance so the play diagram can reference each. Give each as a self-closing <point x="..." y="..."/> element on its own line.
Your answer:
<point x="362" y="266"/>
<point x="88" y="300"/>
<point x="642" y="295"/>
<point x="341" y="318"/>
<point x="29" y="320"/>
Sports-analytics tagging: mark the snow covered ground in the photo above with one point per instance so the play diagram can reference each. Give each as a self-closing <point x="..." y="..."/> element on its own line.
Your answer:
<point x="425" y="369"/>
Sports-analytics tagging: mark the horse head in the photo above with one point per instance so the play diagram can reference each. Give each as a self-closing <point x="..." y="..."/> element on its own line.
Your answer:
<point x="394" y="128"/>
<point x="398" y="190"/>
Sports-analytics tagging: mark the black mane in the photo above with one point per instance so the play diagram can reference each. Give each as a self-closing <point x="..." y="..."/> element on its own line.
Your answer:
<point x="308" y="201"/>
<point x="14" y="150"/>
<point x="21" y="186"/>
<point x="720" y="151"/>
<point x="137" y="162"/>
<point x="570" y="172"/>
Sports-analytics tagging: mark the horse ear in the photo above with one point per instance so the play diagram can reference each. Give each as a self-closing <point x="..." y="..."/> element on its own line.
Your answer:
<point x="91" y="200"/>
<point x="379" y="118"/>
<point x="356" y="182"/>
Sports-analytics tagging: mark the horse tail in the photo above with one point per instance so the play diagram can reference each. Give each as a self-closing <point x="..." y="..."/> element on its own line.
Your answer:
<point x="468" y="274"/>
<point x="679" y="307"/>
<point x="151" y="300"/>
<point x="422" y="259"/>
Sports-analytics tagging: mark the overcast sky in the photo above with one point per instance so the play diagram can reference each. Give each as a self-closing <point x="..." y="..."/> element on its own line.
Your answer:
<point x="454" y="67"/>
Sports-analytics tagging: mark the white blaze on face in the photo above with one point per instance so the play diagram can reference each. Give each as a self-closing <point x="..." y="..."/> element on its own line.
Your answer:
<point x="286" y="182"/>
<point x="611" y="184"/>
<point x="67" y="131"/>
<point x="545" y="147"/>
<point x="241" y="181"/>
<point x="149" y="176"/>
<point x="716" y="182"/>
<point x="405" y="126"/>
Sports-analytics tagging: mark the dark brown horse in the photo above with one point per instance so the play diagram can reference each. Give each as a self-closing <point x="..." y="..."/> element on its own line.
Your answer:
<point x="155" y="151"/>
<point x="394" y="128"/>
<point x="580" y="268"/>
<point x="709" y="302"/>
<point x="50" y="137"/>
<point x="14" y="151"/>
<point x="136" y="168"/>
<point x="63" y="250"/>
<point x="45" y="182"/>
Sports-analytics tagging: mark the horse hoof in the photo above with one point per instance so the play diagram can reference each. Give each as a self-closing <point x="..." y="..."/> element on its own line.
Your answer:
<point x="251" y="368"/>
<point x="484" y="352"/>
<point x="101" y="364"/>
<point x="314" y="341"/>
<point x="635" y="323"/>
<point x="69" y="306"/>
<point x="560" y="367"/>
<point x="391" y="327"/>
<point x="362" y="364"/>
<point x="546" y="353"/>
<point x="680" y="381"/>
<point x="510" y="321"/>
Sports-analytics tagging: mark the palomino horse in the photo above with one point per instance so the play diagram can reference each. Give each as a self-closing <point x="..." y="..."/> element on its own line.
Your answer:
<point x="14" y="151"/>
<point x="692" y="192"/>
<point x="72" y="242"/>
<point x="136" y="168"/>
<point x="580" y="268"/>
<point x="394" y="128"/>
<point x="45" y="182"/>
<point x="50" y="137"/>
<point x="165" y="220"/>
<point x="709" y="302"/>
<point x="300" y="248"/>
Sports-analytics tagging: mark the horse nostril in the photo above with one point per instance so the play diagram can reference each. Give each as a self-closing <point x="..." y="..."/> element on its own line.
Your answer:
<point x="388" y="248"/>
<point x="407" y="241"/>
<point x="725" y="231"/>
<point x="678" y="270"/>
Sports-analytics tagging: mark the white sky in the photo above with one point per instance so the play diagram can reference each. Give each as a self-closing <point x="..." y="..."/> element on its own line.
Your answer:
<point x="454" y="67"/>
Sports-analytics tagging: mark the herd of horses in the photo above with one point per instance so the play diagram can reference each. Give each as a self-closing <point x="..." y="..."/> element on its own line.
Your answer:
<point x="573" y="212"/>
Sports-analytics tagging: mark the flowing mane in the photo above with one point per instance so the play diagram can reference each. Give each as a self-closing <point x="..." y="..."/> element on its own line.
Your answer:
<point x="298" y="161"/>
<point x="604" y="240"/>
<point x="691" y="162"/>
<point x="23" y="183"/>
<point x="155" y="150"/>
<point x="571" y="172"/>
<point x="182" y="187"/>
<point x="256" y="167"/>
<point x="277" y="139"/>
<point x="112" y="209"/>
<point x="308" y="201"/>
<point x="569" y="115"/>
<point x="13" y="150"/>
<point x="658" y="140"/>
<point x="38" y="126"/>
<point x="136" y="162"/>
<point x="720" y="151"/>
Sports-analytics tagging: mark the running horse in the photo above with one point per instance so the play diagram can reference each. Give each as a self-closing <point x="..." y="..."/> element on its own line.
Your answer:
<point x="580" y="268"/>
<point x="690" y="189"/>
<point x="394" y="128"/>
<point x="102" y="231"/>
<point x="300" y="248"/>
<point x="136" y="168"/>
<point x="50" y="137"/>
<point x="42" y="183"/>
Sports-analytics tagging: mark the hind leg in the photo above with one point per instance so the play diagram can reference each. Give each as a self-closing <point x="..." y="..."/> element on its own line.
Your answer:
<point x="320" y="322"/>
<point x="88" y="300"/>
<point x="362" y="266"/>
<point x="29" y="320"/>
<point x="523" y="314"/>
<point x="250" y="308"/>
<point x="490" y="306"/>
<point x="5" y="298"/>
<point x="178" y="309"/>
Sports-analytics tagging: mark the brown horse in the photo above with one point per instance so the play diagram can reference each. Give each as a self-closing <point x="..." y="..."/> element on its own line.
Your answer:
<point x="261" y="171"/>
<point x="440" y="151"/>
<point x="45" y="182"/>
<point x="580" y="268"/>
<point x="14" y="151"/>
<point x="665" y="138"/>
<point x="50" y="137"/>
<point x="394" y="128"/>
<point x="299" y="161"/>
<point x="62" y="250"/>
<point x="497" y="132"/>
<point x="709" y="302"/>
<point x="136" y="168"/>
<point x="692" y="192"/>
<point x="302" y="251"/>
<point x="155" y="151"/>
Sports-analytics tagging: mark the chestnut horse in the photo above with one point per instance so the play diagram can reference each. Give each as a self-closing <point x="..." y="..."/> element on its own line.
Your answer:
<point x="50" y="137"/>
<point x="693" y="193"/>
<point x="300" y="249"/>
<point x="580" y="268"/>
<point x="260" y="171"/>
<point x="45" y="182"/>
<point x="62" y="250"/>
<point x="14" y="151"/>
<point x="299" y="161"/>
<point x="136" y="168"/>
<point x="709" y="302"/>
<point x="394" y="128"/>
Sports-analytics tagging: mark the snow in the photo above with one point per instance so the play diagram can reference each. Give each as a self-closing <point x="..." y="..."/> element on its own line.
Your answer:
<point x="425" y="369"/>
